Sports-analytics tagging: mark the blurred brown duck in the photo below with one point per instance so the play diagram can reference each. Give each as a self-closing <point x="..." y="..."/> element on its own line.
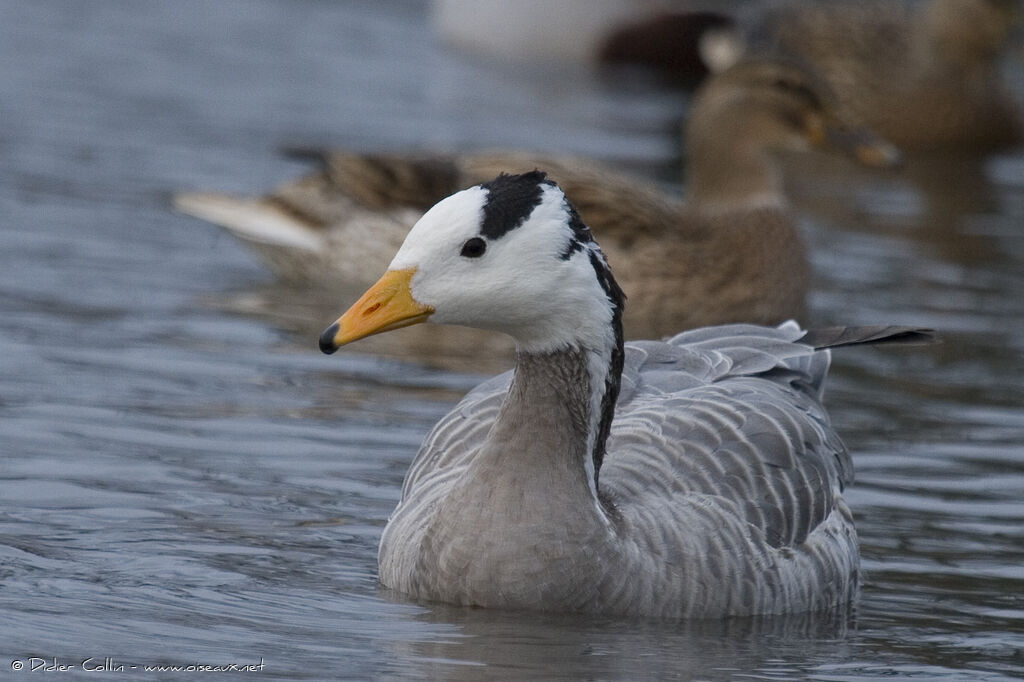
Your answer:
<point x="925" y="76"/>
<point x="730" y="253"/>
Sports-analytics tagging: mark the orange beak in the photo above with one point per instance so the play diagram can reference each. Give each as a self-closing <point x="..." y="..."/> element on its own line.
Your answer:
<point x="386" y="305"/>
<point x="859" y="143"/>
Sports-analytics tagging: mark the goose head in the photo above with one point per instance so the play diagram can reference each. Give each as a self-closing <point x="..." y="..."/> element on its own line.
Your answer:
<point x="510" y="255"/>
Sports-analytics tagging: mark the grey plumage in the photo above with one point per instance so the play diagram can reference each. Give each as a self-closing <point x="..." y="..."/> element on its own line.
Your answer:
<point x="723" y="482"/>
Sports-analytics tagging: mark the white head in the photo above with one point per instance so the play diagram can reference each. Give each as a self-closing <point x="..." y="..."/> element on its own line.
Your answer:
<point x="511" y="255"/>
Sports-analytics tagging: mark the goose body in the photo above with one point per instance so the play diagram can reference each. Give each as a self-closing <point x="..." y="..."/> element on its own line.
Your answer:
<point x="926" y="75"/>
<point x="721" y="493"/>
<point x="731" y="252"/>
<point x="693" y="477"/>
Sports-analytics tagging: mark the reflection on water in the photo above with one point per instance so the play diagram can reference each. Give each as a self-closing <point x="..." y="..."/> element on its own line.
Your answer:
<point x="939" y="202"/>
<point x="512" y="645"/>
<point x="185" y="479"/>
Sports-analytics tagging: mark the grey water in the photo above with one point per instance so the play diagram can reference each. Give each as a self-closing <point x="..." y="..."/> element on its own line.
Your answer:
<point x="185" y="480"/>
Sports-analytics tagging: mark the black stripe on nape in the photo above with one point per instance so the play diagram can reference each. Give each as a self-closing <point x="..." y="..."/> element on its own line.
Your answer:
<point x="580" y="232"/>
<point x="572" y="247"/>
<point x="614" y="378"/>
<point x="510" y="201"/>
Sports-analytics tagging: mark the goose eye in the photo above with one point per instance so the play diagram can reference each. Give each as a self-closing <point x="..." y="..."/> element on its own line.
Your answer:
<point x="473" y="248"/>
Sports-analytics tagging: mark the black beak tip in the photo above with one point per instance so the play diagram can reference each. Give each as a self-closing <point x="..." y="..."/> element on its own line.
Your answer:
<point x="327" y="339"/>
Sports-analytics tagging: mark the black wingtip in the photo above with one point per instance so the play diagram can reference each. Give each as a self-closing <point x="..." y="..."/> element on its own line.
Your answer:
<point x="835" y="337"/>
<point x="327" y="344"/>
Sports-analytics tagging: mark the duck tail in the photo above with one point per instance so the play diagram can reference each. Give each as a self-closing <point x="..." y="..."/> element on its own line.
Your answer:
<point x="256" y="220"/>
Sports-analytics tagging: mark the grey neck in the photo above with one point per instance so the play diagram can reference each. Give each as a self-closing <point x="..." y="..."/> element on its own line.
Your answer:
<point x="549" y="436"/>
<point x="546" y="420"/>
<point x="526" y="493"/>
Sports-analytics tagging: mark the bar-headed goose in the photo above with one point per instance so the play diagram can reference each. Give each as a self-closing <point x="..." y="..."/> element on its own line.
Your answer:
<point x="693" y="477"/>
<point x="730" y="253"/>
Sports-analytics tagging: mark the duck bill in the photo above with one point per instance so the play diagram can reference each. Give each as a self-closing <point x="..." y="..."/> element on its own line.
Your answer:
<point x="859" y="143"/>
<point x="866" y="147"/>
<point x="386" y="305"/>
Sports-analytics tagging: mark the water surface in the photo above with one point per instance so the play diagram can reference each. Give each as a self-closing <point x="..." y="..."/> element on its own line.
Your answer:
<point x="186" y="480"/>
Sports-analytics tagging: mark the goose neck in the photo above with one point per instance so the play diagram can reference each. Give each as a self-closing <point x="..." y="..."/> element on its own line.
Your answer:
<point x="553" y="423"/>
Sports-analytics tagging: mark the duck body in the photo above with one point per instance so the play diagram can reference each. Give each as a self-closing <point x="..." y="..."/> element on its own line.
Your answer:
<point x="926" y="76"/>
<point x="720" y="494"/>
<point x="349" y="218"/>
<point x="693" y="477"/>
<point x="730" y="252"/>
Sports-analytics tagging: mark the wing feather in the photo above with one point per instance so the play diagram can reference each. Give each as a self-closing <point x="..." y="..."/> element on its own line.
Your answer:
<point x="724" y="421"/>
